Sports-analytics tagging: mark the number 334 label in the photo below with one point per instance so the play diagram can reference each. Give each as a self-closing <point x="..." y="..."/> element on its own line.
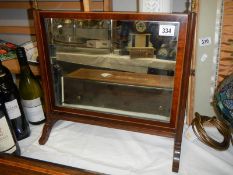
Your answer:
<point x="167" y="30"/>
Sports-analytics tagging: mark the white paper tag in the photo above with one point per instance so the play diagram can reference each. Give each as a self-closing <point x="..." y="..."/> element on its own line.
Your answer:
<point x="204" y="57"/>
<point x="205" y="41"/>
<point x="6" y="140"/>
<point x="12" y="109"/>
<point x="106" y="75"/>
<point x="166" y="30"/>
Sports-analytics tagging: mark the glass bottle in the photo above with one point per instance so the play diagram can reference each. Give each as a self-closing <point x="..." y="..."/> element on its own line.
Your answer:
<point x="11" y="99"/>
<point x="30" y="90"/>
<point x="8" y="141"/>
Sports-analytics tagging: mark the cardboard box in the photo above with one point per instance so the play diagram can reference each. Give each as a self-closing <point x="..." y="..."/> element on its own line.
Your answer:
<point x="99" y="44"/>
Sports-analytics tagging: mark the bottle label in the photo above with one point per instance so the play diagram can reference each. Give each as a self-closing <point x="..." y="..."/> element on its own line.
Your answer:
<point x="7" y="143"/>
<point x="12" y="109"/>
<point x="33" y="110"/>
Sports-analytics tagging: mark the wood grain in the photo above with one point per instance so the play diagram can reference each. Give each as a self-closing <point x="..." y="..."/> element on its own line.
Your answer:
<point x="42" y="5"/>
<point x="191" y="91"/>
<point x="28" y="30"/>
<point x="126" y="78"/>
<point x="108" y="5"/>
<point x="75" y="5"/>
<point x="184" y="94"/>
<point x="226" y="51"/>
<point x="13" y="66"/>
<point x="86" y="5"/>
<point x="12" y="165"/>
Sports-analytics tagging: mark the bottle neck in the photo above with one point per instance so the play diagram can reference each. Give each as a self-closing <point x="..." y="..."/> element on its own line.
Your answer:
<point x="6" y="79"/>
<point x="25" y="69"/>
<point x="4" y="69"/>
<point x="22" y="59"/>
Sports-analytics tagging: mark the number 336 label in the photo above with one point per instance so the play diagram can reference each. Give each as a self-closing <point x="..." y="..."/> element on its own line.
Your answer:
<point x="166" y="30"/>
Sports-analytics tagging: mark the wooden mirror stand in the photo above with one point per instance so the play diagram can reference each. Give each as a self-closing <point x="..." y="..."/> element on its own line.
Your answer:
<point x="98" y="90"/>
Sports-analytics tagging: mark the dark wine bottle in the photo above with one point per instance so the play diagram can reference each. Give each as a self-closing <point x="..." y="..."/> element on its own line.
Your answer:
<point x="12" y="102"/>
<point x="30" y="90"/>
<point x="6" y="70"/>
<point x="8" y="142"/>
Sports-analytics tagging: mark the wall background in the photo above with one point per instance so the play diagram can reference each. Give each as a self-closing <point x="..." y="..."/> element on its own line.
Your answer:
<point x="207" y="56"/>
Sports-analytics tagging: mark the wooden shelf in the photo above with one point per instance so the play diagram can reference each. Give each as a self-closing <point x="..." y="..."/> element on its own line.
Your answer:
<point x="26" y="166"/>
<point x="13" y="66"/>
<point x="42" y="5"/>
<point x="104" y="5"/>
<point x="94" y="5"/>
<point x="26" y="30"/>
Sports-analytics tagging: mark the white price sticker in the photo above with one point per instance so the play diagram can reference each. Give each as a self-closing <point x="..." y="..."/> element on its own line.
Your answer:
<point x="167" y="30"/>
<point x="204" y="57"/>
<point x="205" y="41"/>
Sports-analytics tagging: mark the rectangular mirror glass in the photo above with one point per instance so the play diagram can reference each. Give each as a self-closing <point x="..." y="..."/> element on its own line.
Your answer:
<point x="124" y="67"/>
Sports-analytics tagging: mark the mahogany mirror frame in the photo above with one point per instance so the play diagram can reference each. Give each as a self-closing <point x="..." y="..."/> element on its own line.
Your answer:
<point x="173" y="128"/>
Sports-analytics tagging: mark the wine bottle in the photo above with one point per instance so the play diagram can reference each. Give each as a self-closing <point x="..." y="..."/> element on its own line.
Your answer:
<point x="30" y="90"/>
<point x="6" y="70"/>
<point x="8" y="142"/>
<point x="11" y="99"/>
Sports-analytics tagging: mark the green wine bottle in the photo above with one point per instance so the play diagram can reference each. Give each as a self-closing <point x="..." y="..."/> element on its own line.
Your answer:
<point x="30" y="90"/>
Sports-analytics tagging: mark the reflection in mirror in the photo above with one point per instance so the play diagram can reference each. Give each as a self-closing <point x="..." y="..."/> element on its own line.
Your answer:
<point x="120" y="67"/>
